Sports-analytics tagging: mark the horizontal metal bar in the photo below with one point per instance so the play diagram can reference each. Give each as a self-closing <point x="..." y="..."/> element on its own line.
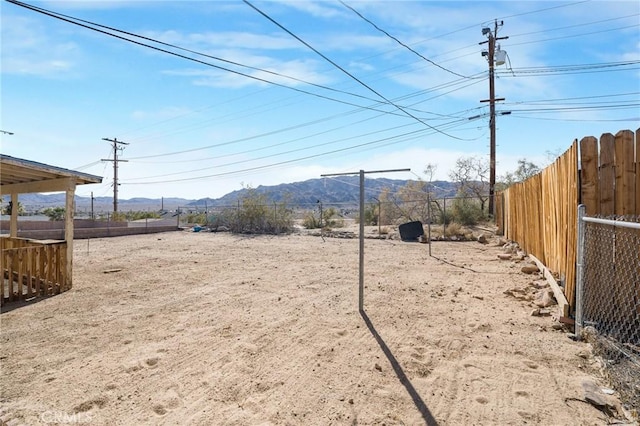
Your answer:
<point x="617" y="223"/>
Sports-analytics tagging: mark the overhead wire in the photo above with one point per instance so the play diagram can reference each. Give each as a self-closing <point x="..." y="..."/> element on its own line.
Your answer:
<point x="398" y="41"/>
<point x="263" y="80"/>
<point x="406" y="136"/>
<point x="388" y="101"/>
<point x="368" y="98"/>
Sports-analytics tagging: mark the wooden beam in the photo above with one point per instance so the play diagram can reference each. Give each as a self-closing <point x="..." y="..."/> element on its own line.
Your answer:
<point x="68" y="236"/>
<point x="563" y="305"/>
<point x="13" y="222"/>
<point x="53" y="185"/>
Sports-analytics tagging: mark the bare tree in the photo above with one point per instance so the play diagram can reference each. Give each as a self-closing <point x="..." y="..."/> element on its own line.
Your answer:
<point x="525" y="170"/>
<point x="409" y="203"/>
<point x="471" y="174"/>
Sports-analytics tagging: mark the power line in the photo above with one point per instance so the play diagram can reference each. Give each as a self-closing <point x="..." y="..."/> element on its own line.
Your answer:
<point x="544" y="10"/>
<point x="347" y="72"/>
<point x="263" y="80"/>
<point x="378" y="143"/>
<point x="399" y="42"/>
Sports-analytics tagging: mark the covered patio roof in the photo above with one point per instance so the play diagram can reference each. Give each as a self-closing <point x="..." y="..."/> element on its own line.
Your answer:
<point x="20" y="176"/>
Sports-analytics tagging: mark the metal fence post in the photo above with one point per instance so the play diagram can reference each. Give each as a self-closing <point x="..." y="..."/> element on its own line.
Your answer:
<point x="579" y="271"/>
<point x="444" y="217"/>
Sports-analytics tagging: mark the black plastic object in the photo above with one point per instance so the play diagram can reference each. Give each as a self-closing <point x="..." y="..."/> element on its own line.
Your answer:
<point x="411" y="231"/>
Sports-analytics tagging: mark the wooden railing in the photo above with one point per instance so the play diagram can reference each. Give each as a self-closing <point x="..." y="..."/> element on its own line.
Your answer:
<point x="32" y="268"/>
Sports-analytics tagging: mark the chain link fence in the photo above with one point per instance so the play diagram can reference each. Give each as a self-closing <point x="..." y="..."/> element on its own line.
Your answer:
<point x="608" y="298"/>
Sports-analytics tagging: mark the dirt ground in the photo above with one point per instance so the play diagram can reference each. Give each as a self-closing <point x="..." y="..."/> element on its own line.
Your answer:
<point x="187" y="328"/>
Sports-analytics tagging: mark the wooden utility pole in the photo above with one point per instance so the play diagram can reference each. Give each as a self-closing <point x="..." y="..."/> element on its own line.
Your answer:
<point x="492" y="38"/>
<point x="116" y="147"/>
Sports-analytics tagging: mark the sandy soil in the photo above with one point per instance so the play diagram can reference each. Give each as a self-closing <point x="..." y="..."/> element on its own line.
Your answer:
<point x="217" y="329"/>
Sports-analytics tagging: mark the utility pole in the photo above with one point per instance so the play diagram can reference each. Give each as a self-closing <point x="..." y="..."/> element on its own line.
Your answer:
<point x="491" y="57"/>
<point x="116" y="147"/>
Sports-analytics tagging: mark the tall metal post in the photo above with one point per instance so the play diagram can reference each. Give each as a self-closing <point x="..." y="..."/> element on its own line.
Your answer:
<point x="579" y="271"/>
<point x="361" y="280"/>
<point x="361" y="239"/>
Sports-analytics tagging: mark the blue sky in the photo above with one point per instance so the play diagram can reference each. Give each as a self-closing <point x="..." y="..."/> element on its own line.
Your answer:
<point x="361" y="100"/>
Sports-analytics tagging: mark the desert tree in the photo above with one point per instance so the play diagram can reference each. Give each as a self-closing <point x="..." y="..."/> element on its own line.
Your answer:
<point x="54" y="213"/>
<point x="6" y="207"/>
<point x="409" y="203"/>
<point x="470" y="175"/>
<point x="524" y="171"/>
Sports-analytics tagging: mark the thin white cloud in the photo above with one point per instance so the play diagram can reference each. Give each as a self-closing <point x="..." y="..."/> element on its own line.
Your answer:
<point x="27" y="48"/>
<point x="321" y="9"/>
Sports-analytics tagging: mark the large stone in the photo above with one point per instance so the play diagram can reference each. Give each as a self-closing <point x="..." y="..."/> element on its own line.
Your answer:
<point x="593" y="395"/>
<point x="544" y="298"/>
<point x="530" y="269"/>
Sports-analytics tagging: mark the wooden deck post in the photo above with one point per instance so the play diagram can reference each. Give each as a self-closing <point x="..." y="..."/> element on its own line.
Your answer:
<point x="68" y="235"/>
<point x="13" y="222"/>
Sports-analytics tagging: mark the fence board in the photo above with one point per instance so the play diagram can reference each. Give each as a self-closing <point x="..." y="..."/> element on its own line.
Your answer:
<point x="589" y="182"/>
<point x="570" y="221"/>
<point x="607" y="174"/>
<point x="638" y="182"/>
<point x="625" y="190"/>
<point x="610" y="184"/>
<point x="637" y="157"/>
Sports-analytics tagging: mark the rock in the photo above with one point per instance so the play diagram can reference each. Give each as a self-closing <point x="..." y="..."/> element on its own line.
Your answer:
<point x="501" y="242"/>
<point x="377" y="367"/>
<point x="530" y="269"/>
<point x="535" y="313"/>
<point x="511" y="248"/>
<point x="504" y="256"/>
<point x="584" y="354"/>
<point x="544" y="298"/>
<point x="482" y="239"/>
<point x="557" y="326"/>
<point x="594" y="396"/>
<point x="541" y="284"/>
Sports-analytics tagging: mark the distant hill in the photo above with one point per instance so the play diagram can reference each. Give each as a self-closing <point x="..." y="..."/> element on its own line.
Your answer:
<point x="345" y="190"/>
<point x="340" y="191"/>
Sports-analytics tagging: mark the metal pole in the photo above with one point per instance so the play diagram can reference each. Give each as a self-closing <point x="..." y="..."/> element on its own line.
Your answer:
<point x="379" y="217"/>
<point x="429" y="220"/>
<point x="579" y="271"/>
<point x="444" y="218"/>
<point x="361" y="173"/>
<point x="361" y="282"/>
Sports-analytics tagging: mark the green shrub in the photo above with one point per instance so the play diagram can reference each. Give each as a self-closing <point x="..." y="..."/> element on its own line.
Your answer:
<point x="255" y="216"/>
<point x="309" y="221"/>
<point x="467" y="211"/>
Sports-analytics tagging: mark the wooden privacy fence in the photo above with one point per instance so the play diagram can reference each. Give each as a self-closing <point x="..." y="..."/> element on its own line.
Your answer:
<point x="32" y="268"/>
<point x="541" y="212"/>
